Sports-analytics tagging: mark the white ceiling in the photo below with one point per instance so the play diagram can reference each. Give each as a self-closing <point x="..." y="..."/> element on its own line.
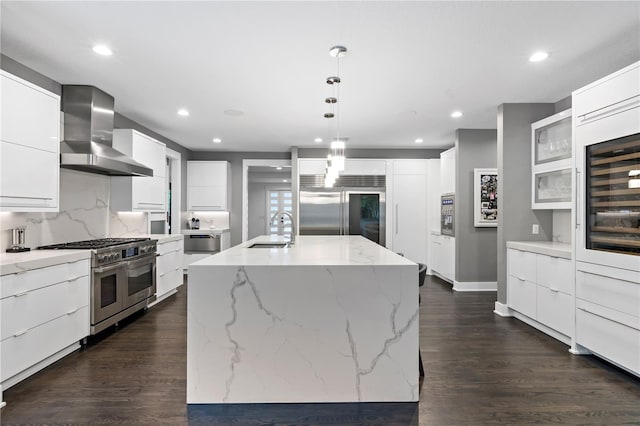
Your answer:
<point x="409" y="63"/>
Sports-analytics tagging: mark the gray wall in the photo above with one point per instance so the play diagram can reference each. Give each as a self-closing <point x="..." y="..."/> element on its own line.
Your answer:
<point x="515" y="216"/>
<point x="235" y="161"/>
<point x="476" y="248"/>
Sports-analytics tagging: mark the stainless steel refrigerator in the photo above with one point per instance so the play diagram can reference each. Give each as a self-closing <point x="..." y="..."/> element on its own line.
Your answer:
<point x="354" y="206"/>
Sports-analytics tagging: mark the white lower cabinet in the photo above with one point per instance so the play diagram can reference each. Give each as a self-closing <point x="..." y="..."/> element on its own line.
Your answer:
<point x="540" y="287"/>
<point x="45" y="312"/>
<point x="169" y="267"/>
<point x="608" y="313"/>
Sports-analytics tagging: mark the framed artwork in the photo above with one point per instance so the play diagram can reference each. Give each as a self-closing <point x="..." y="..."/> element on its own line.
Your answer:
<point x="485" y="196"/>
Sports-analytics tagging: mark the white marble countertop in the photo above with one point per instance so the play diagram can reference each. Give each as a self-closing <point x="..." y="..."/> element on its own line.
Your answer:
<point x="204" y="231"/>
<point x="549" y="248"/>
<point x="308" y="250"/>
<point x="163" y="238"/>
<point x="12" y="263"/>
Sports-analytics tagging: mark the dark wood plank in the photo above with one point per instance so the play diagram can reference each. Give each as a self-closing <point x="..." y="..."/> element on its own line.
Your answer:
<point x="480" y="370"/>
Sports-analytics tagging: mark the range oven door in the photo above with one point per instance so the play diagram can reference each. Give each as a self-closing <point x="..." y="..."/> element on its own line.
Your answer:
<point x="140" y="280"/>
<point x="107" y="291"/>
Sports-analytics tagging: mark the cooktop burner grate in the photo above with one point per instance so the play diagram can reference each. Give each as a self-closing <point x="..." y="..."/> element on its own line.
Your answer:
<point x="93" y="244"/>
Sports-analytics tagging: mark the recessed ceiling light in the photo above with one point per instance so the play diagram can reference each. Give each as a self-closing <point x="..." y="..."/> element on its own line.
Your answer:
<point x="419" y="140"/>
<point x="456" y="114"/>
<point x="285" y="180"/>
<point x="278" y="168"/>
<point x="217" y="140"/>
<point x="539" y="56"/>
<point x="183" y="112"/>
<point x="103" y="50"/>
<point x="317" y="140"/>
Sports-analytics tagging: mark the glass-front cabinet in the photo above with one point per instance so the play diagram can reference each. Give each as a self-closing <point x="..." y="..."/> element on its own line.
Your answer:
<point x="613" y="195"/>
<point x="551" y="155"/>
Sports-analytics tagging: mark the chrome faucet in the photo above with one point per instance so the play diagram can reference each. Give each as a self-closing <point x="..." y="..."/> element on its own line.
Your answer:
<point x="281" y="213"/>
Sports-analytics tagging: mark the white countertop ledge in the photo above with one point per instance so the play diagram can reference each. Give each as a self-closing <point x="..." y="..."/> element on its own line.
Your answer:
<point x="213" y="231"/>
<point x="308" y="250"/>
<point x="548" y="248"/>
<point x="13" y="263"/>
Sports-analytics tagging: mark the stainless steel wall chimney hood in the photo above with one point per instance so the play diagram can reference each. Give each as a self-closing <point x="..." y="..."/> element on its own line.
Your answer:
<point x="88" y="135"/>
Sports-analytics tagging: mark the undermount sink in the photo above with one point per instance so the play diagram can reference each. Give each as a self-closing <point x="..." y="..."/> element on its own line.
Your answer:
<point x="269" y="245"/>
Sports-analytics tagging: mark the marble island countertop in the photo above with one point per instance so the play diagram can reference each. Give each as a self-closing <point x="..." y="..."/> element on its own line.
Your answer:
<point x="329" y="319"/>
<point x="308" y="250"/>
<point x="549" y="248"/>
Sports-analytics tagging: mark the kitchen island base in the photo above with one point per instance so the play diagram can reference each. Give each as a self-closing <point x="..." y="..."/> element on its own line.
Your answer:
<point x="276" y="328"/>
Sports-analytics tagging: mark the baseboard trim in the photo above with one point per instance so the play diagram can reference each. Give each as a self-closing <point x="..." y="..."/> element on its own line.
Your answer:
<point x="164" y="296"/>
<point x="579" y="350"/>
<point x="502" y="310"/>
<point x="442" y="277"/>
<point x="550" y="331"/>
<point x="475" y="286"/>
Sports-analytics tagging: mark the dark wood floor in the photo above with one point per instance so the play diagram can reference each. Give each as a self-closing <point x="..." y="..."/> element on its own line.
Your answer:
<point x="480" y="369"/>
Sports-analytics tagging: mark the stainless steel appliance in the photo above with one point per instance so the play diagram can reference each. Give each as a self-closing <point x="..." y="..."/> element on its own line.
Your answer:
<point x="447" y="214"/>
<point x="18" y="238"/>
<point x="88" y="134"/>
<point x="123" y="277"/>
<point x="354" y="206"/>
<point x="201" y="243"/>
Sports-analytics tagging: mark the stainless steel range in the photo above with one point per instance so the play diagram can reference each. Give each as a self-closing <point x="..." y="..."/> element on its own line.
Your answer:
<point x="123" y="277"/>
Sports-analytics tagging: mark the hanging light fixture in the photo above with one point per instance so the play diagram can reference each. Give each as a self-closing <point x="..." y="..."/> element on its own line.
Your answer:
<point x="336" y="158"/>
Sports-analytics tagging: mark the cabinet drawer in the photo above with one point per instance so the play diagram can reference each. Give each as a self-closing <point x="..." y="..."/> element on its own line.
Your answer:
<point x="609" y="339"/>
<point x="522" y="264"/>
<point x="168" y="262"/>
<point x="27" y="310"/>
<point x="521" y="296"/>
<point x="169" y="280"/>
<point x="613" y="293"/>
<point x="38" y="278"/>
<point x="25" y="350"/>
<point x="607" y="92"/>
<point x="554" y="273"/>
<point x="554" y="309"/>
<point x="170" y="246"/>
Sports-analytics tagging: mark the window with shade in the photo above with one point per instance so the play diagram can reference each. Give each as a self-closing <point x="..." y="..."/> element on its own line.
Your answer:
<point x="279" y="200"/>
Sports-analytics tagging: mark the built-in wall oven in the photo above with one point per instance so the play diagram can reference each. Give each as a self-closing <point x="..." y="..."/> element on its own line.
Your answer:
<point x="123" y="277"/>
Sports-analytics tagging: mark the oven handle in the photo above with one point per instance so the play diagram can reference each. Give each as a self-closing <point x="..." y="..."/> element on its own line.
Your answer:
<point x="107" y="268"/>
<point x="150" y="258"/>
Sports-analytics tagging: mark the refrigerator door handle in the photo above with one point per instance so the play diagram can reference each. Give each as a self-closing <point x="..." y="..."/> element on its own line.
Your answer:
<point x="396" y="218"/>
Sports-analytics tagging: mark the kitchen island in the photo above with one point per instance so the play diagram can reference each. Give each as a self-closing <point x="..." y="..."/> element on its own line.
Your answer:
<point x="329" y="319"/>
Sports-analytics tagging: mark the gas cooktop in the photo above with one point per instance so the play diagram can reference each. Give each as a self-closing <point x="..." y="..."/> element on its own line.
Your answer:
<point x="93" y="244"/>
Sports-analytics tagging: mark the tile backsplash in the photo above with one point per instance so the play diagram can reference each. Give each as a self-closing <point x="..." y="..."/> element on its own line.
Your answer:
<point x="84" y="214"/>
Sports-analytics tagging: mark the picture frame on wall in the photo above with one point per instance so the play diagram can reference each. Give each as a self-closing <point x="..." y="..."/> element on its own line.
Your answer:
<point x="485" y="198"/>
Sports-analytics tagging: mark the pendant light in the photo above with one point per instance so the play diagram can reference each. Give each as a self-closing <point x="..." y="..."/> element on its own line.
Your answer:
<point x="336" y="157"/>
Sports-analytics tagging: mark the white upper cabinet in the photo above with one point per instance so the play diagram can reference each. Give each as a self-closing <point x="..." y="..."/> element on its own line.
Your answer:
<point x="551" y="162"/>
<point x="29" y="148"/>
<point x="140" y="193"/>
<point x="448" y="171"/>
<point x="207" y="186"/>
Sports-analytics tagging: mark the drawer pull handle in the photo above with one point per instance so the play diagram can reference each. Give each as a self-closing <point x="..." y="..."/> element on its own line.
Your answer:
<point x="521" y="279"/>
<point x="73" y="311"/>
<point x="75" y="279"/>
<point x="24" y="293"/>
<point x="20" y="333"/>
<point x="555" y="290"/>
<point x="605" y="317"/>
<point x="162" y="274"/>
